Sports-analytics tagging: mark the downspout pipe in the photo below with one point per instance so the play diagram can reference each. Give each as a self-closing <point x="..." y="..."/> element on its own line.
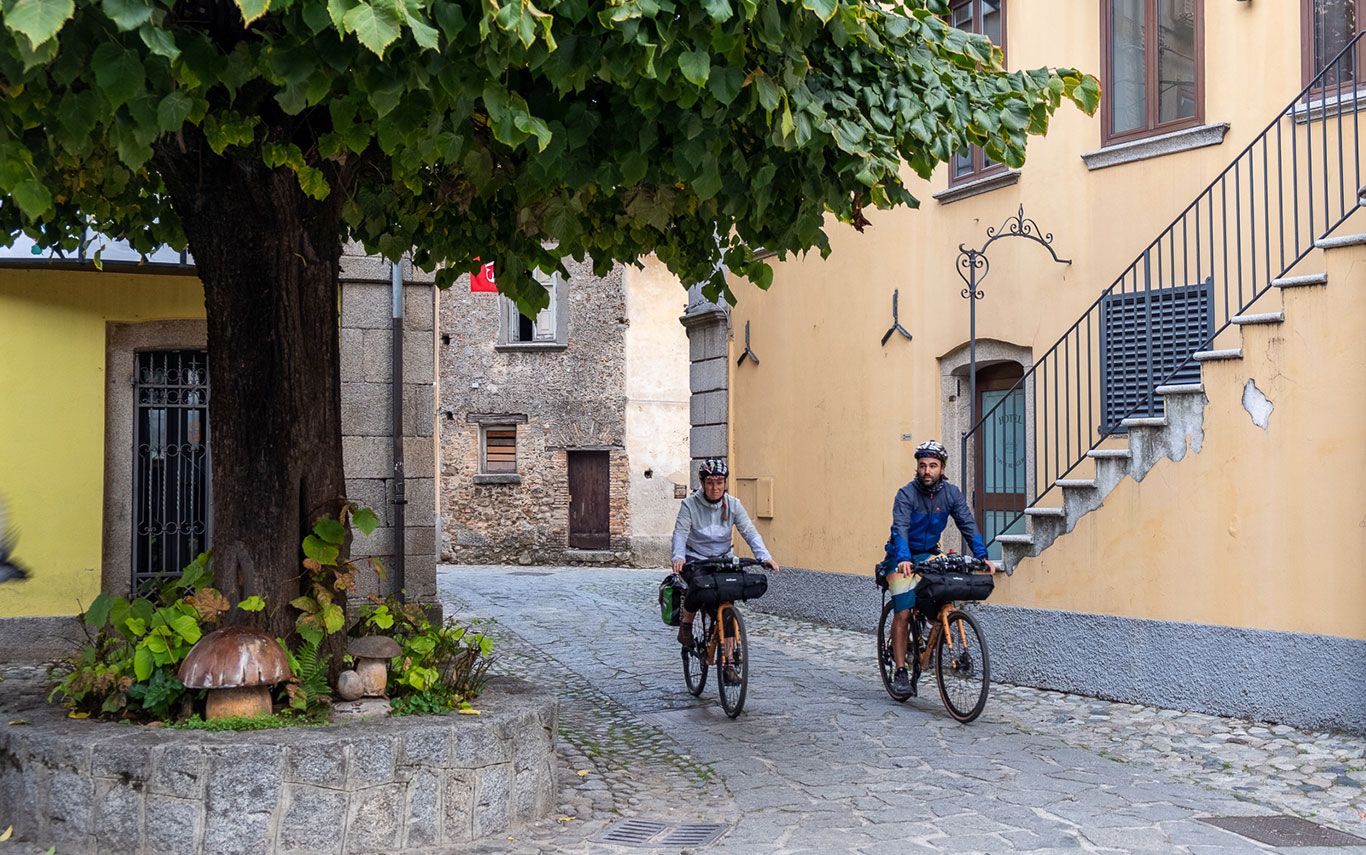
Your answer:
<point x="396" y="427"/>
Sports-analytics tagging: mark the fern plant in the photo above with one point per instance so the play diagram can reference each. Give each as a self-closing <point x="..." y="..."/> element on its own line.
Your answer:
<point x="307" y="690"/>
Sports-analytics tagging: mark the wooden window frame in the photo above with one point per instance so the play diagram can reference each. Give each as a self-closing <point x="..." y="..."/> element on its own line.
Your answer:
<point x="485" y="467"/>
<point x="980" y="167"/>
<point x="1151" y="127"/>
<point x="1307" y="70"/>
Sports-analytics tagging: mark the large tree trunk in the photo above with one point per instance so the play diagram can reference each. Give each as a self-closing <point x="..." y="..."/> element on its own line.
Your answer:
<point x="268" y="257"/>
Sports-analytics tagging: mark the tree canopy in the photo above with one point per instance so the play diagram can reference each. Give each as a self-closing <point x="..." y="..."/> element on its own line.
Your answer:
<point x="698" y="130"/>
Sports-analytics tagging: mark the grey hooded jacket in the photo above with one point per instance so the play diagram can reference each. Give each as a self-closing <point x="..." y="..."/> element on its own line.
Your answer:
<point x="703" y="529"/>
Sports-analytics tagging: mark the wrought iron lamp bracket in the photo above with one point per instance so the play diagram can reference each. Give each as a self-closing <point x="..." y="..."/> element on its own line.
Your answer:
<point x="973" y="265"/>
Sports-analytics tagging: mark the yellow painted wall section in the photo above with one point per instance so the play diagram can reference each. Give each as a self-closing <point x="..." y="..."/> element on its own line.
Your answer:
<point x="52" y="376"/>
<point x="1263" y="527"/>
<point x="833" y="417"/>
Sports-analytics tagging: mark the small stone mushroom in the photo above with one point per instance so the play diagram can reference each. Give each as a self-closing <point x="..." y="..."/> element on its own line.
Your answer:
<point x="373" y="653"/>
<point x="238" y="665"/>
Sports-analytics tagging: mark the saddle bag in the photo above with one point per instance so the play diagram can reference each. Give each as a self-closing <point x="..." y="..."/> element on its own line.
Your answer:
<point x="707" y="590"/>
<point x="671" y="599"/>
<point x="937" y="589"/>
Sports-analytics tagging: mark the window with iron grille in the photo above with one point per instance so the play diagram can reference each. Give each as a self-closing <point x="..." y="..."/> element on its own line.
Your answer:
<point x="500" y="450"/>
<point x="1144" y="337"/>
<point x="171" y="476"/>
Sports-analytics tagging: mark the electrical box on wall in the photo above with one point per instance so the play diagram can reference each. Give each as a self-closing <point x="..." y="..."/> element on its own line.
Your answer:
<point x="756" y="494"/>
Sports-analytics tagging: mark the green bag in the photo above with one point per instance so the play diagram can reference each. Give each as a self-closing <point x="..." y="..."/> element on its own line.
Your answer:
<point x="671" y="599"/>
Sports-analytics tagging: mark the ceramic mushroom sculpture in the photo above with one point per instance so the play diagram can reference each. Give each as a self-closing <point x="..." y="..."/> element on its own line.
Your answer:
<point x="372" y="654"/>
<point x="238" y="666"/>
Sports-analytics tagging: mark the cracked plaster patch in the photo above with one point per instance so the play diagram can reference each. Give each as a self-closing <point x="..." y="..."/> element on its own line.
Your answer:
<point x="1257" y="404"/>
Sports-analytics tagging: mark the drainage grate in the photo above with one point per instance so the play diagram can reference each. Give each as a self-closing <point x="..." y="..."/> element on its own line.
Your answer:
<point x="1283" y="831"/>
<point x="530" y="573"/>
<point x="650" y="833"/>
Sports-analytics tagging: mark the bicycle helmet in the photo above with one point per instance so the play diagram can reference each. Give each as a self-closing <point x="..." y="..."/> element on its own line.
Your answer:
<point x="712" y="466"/>
<point x="932" y="448"/>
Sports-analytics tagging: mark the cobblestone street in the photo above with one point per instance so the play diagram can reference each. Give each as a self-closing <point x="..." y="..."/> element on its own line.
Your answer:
<point x="823" y="761"/>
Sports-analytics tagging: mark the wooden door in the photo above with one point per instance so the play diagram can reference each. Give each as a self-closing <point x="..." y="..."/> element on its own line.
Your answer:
<point x="589" y="508"/>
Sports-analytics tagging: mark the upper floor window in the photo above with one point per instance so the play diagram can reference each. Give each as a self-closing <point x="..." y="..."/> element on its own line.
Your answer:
<point x="1153" y="67"/>
<point x="1327" y="27"/>
<point x="985" y="18"/>
<point x="547" y="331"/>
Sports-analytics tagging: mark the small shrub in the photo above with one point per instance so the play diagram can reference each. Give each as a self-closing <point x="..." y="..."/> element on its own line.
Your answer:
<point x="442" y="667"/>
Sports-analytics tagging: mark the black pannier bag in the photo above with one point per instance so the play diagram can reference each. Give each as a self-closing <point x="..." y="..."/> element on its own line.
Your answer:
<point x="706" y="590"/>
<point x="936" y="589"/>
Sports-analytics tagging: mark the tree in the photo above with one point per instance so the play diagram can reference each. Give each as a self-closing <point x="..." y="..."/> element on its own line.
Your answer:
<point x="264" y="133"/>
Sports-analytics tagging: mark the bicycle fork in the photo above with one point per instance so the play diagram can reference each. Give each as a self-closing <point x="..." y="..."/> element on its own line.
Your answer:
<point x="941" y="628"/>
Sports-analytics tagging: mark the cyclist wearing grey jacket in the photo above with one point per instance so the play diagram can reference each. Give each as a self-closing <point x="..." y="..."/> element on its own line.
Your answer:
<point x="703" y="529"/>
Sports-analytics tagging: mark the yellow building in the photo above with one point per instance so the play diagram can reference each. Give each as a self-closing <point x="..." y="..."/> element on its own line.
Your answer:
<point x="1169" y="418"/>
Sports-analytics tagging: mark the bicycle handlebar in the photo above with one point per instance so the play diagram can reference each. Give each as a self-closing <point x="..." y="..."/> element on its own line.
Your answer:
<point x="949" y="563"/>
<point x="736" y="563"/>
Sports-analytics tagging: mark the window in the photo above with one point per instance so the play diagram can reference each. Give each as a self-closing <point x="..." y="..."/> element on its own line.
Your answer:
<point x="499" y="450"/>
<point x="987" y="18"/>
<point x="1153" y="67"/>
<point x="546" y="331"/>
<point x="1326" y="28"/>
<point x="1143" y="340"/>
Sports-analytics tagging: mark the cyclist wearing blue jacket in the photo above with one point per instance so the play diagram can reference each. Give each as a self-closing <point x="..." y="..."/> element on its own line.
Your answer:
<point x="919" y="516"/>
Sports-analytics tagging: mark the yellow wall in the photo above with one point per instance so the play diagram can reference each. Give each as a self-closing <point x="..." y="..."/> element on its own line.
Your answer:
<point x="826" y="411"/>
<point x="52" y="376"/>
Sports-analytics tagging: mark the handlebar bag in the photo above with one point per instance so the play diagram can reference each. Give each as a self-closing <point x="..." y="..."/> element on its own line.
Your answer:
<point x="671" y="599"/>
<point x="937" y="589"/>
<point x="707" y="590"/>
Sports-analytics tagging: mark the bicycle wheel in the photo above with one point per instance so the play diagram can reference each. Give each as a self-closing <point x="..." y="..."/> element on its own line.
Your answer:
<point x="695" y="655"/>
<point x="886" y="662"/>
<point x="733" y="691"/>
<point x="962" y="668"/>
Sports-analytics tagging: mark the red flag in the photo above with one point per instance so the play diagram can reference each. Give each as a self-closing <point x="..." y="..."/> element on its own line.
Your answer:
<point x="483" y="281"/>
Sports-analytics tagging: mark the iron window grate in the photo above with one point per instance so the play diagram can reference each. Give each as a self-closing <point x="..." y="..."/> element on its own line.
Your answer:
<point x="1283" y="831"/>
<point x="1166" y="326"/>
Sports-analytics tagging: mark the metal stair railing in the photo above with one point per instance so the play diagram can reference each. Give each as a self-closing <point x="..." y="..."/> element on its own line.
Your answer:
<point x="1294" y="184"/>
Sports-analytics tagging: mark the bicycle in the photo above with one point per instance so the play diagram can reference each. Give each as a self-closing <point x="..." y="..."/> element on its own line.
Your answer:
<point x="718" y="628"/>
<point x="949" y="638"/>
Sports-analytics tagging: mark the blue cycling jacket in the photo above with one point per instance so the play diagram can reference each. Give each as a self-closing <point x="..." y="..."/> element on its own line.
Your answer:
<point x="919" y="517"/>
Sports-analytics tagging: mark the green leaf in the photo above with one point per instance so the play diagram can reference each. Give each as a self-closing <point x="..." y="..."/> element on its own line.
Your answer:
<point x="376" y="26"/>
<point x="142" y="663"/>
<point x="187" y="628"/>
<point x="333" y="618"/>
<point x="307" y="605"/>
<point x="118" y="73"/>
<point x="160" y="42"/>
<point x="364" y="519"/>
<point x="824" y="9"/>
<point x="696" y="66"/>
<point x="320" y="551"/>
<point x="136" y="625"/>
<point x="38" y="20"/>
<point x="718" y="10"/>
<point x="252" y="9"/>
<point x="98" y="614"/>
<point x="313" y="183"/>
<point x="32" y="197"/>
<point x="330" y="530"/>
<point x="127" y="14"/>
<point x="173" y="110"/>
<point x="254" y="603"/>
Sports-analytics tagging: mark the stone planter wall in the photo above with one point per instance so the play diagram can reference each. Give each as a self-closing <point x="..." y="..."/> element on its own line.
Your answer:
<point x="418" y="783"/>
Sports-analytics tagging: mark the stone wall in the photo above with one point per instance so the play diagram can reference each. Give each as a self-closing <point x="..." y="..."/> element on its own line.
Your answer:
<point x="405" y="784"/>
<point x="366" y="392"/>
<point x="561" y="398"/>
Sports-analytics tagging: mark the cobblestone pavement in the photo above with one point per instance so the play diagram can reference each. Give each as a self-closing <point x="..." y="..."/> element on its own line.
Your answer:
<point x="823" y="761"/>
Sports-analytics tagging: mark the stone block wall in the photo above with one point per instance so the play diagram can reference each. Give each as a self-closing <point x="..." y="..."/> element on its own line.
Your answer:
<point x="394" y="785"/>
<point x="560" y="399"/>
<point x="366" y="393"/>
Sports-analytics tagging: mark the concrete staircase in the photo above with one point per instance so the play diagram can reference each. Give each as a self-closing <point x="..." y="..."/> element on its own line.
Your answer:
<point x="1175" y="434"/>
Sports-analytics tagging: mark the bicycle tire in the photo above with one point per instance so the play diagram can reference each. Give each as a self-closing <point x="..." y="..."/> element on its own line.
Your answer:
<point x="695" y="656"/>
<point x="733" y="696"/>
<point x="886" y="663"/>
<point x="963" y="668"/>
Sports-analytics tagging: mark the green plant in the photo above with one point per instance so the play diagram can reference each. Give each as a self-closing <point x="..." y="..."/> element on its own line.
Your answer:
<point x="127" y="667"/>
<point x="236" y="723"/>
<point x="442" y="666"/>
<point x="307" y="693"/>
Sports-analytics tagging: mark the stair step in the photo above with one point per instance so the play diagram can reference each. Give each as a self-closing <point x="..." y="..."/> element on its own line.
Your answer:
<point x="1181" y="389"/>
<point x="1103" y="453"/>
<point x="1045" y="512"/>
<point x="1340" y="241"/>
<point x="1077" y="483"/>
<point x="1153" y="422"/>
<point x="1216" y="355"/>
<point x="1021" y="539"/>
<point x="1300" y="281"/>
<point x="1260" y="318"/>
